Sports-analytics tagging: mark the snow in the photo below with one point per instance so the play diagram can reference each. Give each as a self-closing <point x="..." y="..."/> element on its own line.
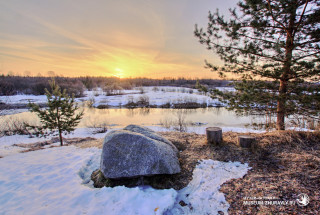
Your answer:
<point x="48" y="182"/>
<point x="23" y="99"/>
<point x="299" y="129"/>
<point x="202" y="195"/>
<point x="55" y="181"/>
<point x="7" y="142"/>
<point x="163" y="95"/>
<point x="226" y="89"/>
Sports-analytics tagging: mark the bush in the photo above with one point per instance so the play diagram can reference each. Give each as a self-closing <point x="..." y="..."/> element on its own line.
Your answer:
<point x="90" y="102"/>
<point x="113" y="89"/>
<point x="131" y="103"/>
<point x="13" y="125"/>
<point x="178" y="123"/>
<point x="141" y="90"/>
<point x="143" y="101"/>
<point x="98" y="127"/>
<point x="166" y="122"/>
<point x="155" y="89"/>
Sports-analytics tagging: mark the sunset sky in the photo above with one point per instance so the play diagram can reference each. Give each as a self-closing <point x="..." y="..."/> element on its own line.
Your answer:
<point x="123" y="38"/>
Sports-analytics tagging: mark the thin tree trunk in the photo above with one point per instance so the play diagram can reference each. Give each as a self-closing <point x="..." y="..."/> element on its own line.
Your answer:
<point x="61" y="140"/>
<point x="281" y="106"/>
<point x="58" y="122"/>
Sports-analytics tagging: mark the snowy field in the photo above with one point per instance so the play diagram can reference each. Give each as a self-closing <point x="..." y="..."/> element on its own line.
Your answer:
<point x="160" y="96"/>
<point x="56" y="181"/>
<point x="156" y="95"/>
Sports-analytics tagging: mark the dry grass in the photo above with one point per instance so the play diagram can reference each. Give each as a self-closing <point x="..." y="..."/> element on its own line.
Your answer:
<point x="80" y="142"/>
<point x="91" y="143"/>
<point x="284" y="165"/>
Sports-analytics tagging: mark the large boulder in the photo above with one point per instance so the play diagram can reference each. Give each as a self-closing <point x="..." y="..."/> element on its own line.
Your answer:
<point x="137" y="151"/>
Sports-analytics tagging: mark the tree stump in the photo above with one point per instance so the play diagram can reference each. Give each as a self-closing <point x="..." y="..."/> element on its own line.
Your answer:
<point x="246" y="141"/>
<point x="214" y="135"/>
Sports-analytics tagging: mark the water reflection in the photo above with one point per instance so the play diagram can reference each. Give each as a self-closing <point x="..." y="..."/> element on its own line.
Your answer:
<point x="216" y="110"/>
<point x="132" y="112"/>
<point x="152" y="116"/>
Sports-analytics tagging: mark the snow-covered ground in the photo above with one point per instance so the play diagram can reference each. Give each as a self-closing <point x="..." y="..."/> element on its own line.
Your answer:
<point x="7" y="142"/>
<point x="55" y="181"/>
<point x="156" y="95"/>
<point x="23" y="99"/>
<point x="160" y="96"/>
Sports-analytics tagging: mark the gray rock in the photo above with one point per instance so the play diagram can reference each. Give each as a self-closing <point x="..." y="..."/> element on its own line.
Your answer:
<point x="151" y="134"/>
<point x="137" y="151"/>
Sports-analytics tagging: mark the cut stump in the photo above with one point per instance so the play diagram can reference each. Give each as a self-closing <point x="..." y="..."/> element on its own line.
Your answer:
<point x="214" y="135"/>
<point x="246" y="141"/>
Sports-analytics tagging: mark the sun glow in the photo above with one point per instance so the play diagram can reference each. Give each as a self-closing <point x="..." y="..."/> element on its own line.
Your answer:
<point x="119" y="73"/>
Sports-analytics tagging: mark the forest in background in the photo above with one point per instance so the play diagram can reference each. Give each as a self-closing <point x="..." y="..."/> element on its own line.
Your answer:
<point x="13" y="85"/>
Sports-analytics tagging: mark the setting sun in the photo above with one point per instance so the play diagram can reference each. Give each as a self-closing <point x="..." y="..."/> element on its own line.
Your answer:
<point x="119" y="73"/>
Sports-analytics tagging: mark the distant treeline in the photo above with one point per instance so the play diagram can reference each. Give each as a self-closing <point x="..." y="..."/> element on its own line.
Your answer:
<point x="13" y="85"/>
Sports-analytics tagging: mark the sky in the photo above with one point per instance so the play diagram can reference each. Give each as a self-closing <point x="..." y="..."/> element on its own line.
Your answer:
<point x="122" y="38"/>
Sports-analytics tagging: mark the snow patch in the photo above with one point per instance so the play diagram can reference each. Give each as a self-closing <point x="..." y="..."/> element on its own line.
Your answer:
<point x="7" y="148"/>
<point x="90" y="165"/>
<point x="51" y="181"/>
<point x="48" y="182"/>
<point x="202" y="195"/>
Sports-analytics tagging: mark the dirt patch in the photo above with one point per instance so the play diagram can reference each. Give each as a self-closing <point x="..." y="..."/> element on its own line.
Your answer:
<point x="81" y="142"/>
<point x="91" y="143"/>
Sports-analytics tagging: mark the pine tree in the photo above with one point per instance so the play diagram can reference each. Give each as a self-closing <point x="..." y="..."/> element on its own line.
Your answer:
<point x="61" y="112"/>
<point x="274" y="47"/>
